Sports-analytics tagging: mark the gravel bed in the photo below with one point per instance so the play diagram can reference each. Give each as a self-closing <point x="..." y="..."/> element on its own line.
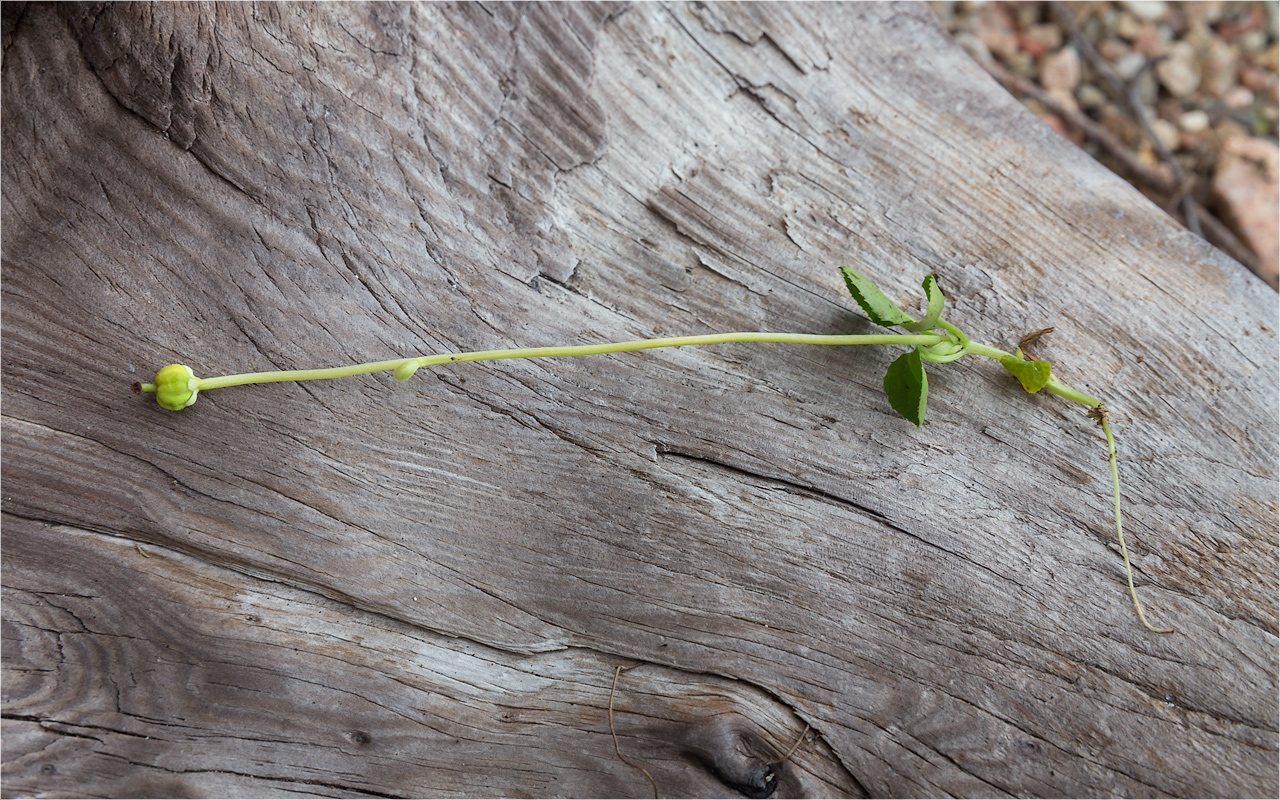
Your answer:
<point x="1178" y="98"/>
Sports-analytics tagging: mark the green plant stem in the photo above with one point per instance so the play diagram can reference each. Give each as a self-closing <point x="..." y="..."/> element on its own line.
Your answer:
<point x="402" y="365"/>
<point x="1062" y="390"/>
<point x="1054" y="386"/>
<point x="973" y="348"/>
<point x="1099" y="413"/>
<point x="956" y="332"/>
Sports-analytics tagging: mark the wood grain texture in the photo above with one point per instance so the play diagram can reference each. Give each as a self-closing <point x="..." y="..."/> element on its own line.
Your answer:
<point x="364" y="587"/>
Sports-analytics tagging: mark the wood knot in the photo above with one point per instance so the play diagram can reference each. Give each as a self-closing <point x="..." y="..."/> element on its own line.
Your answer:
<point x="359" y="737"/>
<point x="734" y="753"/>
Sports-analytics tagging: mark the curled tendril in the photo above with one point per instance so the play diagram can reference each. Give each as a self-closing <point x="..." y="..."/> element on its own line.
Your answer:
<point x="943" y="352"/>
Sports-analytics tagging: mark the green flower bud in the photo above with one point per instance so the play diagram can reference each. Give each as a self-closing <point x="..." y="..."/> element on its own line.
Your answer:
<point x="176" y="387"/>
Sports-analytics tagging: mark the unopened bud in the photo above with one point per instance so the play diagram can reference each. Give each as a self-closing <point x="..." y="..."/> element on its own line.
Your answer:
<point x="176" y="387"/>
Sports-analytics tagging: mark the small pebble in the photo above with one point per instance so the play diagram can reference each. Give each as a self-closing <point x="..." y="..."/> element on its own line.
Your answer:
<point x="1149" y="10"/>
<point x="1225" y="129"/>
<point x="1065" y="98"/>
<point x="1025" y="14"/>
<point x="1203" y="13"/>
<point x="1117" y="122"/>
<point x="1199" y="37"/>
<point x="1146" y="87"/>
<point x="1061" y="70"/>
<point x="1218" y="68"/>
<point x="1090" y="96"/>
<point x="1256" y="78"/>
<point x="1022" y="64"/>
<point x="1041" y="39"/>
<point x="1253" y="42"/>
<point x="975" y="47"/>
<point x="996" y="30"/>
<point x="1270" y="60"/>
<point x="1194" y="121"/>
<point x="1152" y="42"/>
<point x="1179" y="73"/>
<point x="1128" y="26"/>
<point x="1113" y="49"/>
<point x="1167" y="133"/>
<point x="1129" y="66"/>
<point x="1237" y="97"/>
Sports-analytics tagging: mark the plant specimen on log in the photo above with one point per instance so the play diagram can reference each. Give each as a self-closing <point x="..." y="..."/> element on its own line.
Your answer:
<point x="931" y="338"/>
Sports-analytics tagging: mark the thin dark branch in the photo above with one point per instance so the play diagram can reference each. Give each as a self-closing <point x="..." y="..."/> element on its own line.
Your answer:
<point x="1156" y="179"/>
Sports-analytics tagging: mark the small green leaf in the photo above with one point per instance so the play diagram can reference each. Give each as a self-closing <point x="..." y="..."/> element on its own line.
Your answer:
<point x="873" y="302"/>
<point x="932" y="293"/>
<point x="1033" y="375"/>
<point x="907" y="387"/>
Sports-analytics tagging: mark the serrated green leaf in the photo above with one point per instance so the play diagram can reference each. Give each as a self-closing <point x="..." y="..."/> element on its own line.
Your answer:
<point x="907" y="387"/>
<point x="872" y="301"/>
<point x="1033" y="375"/>
<point x="933" y="293"/>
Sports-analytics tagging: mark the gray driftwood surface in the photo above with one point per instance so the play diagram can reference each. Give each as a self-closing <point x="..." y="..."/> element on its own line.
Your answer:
<point x="364" y="587"/>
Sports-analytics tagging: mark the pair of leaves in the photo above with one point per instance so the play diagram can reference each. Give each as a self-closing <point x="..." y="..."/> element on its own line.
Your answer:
<point x="882" y="311"/>
<point x="905" y="382"/>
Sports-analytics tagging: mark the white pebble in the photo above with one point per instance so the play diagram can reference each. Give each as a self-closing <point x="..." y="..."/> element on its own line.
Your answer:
<point x="1149" y="10"/>
<point x="1194" y="121"/>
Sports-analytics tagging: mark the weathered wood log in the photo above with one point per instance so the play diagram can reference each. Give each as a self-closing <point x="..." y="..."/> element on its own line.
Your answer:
<point x="365" y="587"/>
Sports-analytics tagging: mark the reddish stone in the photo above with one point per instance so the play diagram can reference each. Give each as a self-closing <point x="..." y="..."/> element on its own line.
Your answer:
<point x="1246" y="191"/>
<point x="1061" y="70"/>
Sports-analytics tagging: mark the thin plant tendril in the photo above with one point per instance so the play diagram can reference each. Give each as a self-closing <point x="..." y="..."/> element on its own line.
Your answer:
<point x="1099" y="413"/>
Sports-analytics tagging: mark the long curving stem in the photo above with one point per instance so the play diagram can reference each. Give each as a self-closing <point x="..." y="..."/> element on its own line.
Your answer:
<point x="404" y="367"/>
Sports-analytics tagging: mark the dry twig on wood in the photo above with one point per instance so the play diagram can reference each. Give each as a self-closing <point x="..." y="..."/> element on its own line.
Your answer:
<point x="616" y="748"/>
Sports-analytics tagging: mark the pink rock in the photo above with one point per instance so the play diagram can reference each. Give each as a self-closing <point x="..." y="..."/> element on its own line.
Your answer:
<point x="1149" y="42"/>
<point x="1179" y="73"/>
<point x="1238" y="97"/>
<point x="1040" y="39"/>
<point x="995" y="28"/>
<point x="1246" y="191"/>
<point x="1061" y="70"/>
<point x="1218" y="68"/>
